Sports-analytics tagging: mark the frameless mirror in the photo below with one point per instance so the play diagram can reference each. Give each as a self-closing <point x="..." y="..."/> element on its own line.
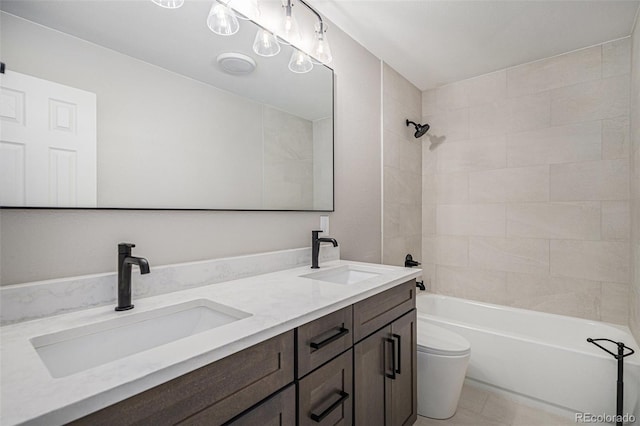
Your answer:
<point x="124" y="104"/>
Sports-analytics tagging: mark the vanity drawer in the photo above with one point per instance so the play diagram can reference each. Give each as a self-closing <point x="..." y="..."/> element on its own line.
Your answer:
<point x="217" y="392"/>
<point x="320" y="340"/>
<point x="377" y="311"/>
<point x="325" y="397"/>
<point x="278" y="410"/>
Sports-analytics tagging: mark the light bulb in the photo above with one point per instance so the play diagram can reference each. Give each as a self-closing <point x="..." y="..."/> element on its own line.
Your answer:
<point x="288" y="29"/>
<point x="300" y="62"/>
<point x="246" y="9"/>
<point x="265" y="43"/>
<point x="321" y="50"/>
<point x="222" y="20"/>
<point x="169" y="4"/>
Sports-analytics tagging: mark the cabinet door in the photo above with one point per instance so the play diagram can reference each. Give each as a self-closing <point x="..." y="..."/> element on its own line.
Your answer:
<point x="402" y="388"/>
<point x="325" y="396"/>
<point x="372" y="362"/>
<point x="278" y="410"/>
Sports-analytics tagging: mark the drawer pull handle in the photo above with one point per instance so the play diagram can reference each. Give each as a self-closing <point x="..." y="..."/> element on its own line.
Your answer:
<point x="318" y="417"/>
<point x="341" y="332"/>
<point x="392" y="375"/>
<point x="397" y="336"/>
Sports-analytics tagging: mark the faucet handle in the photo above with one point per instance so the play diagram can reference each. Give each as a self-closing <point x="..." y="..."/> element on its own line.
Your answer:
<point x="125" y="248"/>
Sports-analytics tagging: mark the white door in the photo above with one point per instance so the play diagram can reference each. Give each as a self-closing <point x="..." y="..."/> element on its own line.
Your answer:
<point x="47" y="143"/>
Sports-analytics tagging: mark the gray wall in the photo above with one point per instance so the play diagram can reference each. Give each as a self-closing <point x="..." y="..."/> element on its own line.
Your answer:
<point x="358" y="178"/>
<point x="402" y="169"/>
<point x="44" y="244"/>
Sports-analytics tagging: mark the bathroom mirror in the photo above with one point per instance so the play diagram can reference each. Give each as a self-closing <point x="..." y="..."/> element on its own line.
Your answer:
<point x="171" y="129"/>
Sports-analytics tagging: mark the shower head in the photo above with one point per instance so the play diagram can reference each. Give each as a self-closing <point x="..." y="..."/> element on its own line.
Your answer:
<point x="421" y="129"/>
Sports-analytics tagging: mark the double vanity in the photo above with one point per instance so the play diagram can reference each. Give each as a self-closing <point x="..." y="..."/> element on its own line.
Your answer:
<point x="335" y="345"/>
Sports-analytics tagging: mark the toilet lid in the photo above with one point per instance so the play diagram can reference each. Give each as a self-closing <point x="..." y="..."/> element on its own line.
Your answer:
<point x="437" y="340"/>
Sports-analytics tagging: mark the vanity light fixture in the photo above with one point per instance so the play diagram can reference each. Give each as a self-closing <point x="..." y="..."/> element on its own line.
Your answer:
<point x="300" y="62"/>
<point x="288" y="30"/>
<point x="222" y="20"/>
<point x="266" y="43"/>
<point x="321" y="50"/>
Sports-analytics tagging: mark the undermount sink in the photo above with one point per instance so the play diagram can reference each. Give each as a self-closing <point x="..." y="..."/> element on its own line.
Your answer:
<point x="70" y="351"/>
<point x="348" y="274"/>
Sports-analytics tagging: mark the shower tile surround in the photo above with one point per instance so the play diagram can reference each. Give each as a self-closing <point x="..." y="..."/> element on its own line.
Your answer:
<point x="527" y="201"/>
<point x="21" y="302"/>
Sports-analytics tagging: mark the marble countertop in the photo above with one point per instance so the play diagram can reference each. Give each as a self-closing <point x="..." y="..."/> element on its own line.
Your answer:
<point x="277" y="302"/>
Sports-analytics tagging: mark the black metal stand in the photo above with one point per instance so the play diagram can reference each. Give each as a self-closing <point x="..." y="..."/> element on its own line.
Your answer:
<point x="620" y="357"/>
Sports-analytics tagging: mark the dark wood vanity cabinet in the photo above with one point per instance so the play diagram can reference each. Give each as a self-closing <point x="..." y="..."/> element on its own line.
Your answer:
<point x="313" y="375"/>
<point x="385" y="368"/>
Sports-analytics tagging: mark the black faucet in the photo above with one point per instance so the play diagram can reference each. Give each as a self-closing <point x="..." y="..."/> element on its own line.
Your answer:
<point x="125" y="260"/>
<point x="315" y="247"/>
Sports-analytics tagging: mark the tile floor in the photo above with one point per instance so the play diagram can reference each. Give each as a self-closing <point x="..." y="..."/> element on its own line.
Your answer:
<point x="480" y="407"/>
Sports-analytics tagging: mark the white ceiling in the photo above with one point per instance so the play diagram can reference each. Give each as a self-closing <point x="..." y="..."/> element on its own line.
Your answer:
<point x="434" y="42"/>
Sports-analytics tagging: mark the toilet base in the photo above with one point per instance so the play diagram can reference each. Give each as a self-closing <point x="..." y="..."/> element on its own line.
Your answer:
<point x="440" y="380"/>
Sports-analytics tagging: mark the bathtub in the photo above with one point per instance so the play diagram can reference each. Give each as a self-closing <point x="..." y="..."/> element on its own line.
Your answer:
<point x="541" y="356"/>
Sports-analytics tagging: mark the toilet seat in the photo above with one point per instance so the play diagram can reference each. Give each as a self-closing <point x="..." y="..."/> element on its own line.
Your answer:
<point x="440" y="341"/>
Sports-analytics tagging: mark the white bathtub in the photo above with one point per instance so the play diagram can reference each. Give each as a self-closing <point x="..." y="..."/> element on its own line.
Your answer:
<point x="541" y="356"/>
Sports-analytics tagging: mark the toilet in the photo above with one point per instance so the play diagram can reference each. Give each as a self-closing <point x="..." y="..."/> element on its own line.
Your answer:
<point x="443" y="357"/>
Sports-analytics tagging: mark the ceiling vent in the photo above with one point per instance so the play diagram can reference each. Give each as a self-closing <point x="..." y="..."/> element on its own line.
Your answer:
<point x="236" y="63"/>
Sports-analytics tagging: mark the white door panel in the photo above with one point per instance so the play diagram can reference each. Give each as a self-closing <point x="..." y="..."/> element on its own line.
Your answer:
<point x="56" y="127"/>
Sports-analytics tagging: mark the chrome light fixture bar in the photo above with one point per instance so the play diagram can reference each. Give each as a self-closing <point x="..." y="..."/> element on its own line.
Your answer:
<point x="321" y="50"/>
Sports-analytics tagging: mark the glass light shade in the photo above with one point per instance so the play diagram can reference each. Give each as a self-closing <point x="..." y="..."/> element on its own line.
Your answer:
<point x="169" y="4"/>
<point x="321" y="50"/>
<point x="265" y="43"/>
<point x="288" y="29"/>
<point x="300" y="62"/>
<point x="222" y="20"/>
<point x="246" y="9"/>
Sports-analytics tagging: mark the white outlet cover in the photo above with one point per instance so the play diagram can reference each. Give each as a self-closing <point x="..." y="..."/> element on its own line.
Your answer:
<point x="324" y="224"/>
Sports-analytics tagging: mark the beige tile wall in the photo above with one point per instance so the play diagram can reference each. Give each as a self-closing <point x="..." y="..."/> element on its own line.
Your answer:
<point x="526" y="185"/>
<point x="402" y="156"/>
<point x="634" y="293"/>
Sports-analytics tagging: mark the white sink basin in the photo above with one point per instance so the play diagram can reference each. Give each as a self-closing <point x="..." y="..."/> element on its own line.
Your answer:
<point x="348" y="274"/>
<point x="78" y="349"/>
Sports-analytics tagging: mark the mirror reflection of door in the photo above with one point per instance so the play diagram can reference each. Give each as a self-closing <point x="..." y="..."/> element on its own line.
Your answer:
<point x="47" y="143"/>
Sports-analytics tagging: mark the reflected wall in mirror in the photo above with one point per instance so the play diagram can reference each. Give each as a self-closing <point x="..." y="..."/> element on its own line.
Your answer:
<point x="169" y="128"/>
